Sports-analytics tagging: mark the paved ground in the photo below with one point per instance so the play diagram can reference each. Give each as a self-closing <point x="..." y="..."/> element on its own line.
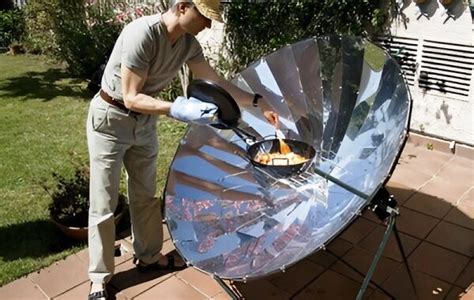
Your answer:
<point x="435" y="191"/>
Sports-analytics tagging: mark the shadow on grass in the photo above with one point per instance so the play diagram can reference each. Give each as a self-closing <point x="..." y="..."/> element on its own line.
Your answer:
<point x="44" y="86"/>
<point x="32" y="240"/>
<point x="42" y="238"/>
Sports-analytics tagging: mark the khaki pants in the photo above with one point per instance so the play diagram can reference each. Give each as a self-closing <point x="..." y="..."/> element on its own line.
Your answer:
<point x="115" y="137"/>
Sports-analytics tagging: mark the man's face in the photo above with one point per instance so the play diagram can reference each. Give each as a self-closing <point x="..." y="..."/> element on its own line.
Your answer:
<point x="193" y="22"/>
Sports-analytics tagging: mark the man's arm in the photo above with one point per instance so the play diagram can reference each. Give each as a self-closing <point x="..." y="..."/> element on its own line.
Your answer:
<point x="132" y="84"/>
<point x="203" y="70"/>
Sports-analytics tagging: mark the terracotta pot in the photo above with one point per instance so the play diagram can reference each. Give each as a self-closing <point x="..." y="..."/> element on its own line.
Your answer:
<point x="445" y="2"/>
<point x="80" y="233"/>
<point x="14" y="49"/>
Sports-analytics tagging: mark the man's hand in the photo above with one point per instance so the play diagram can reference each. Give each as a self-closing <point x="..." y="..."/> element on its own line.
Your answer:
<point x="193" y="110"/>
<point x="272" y="117"/>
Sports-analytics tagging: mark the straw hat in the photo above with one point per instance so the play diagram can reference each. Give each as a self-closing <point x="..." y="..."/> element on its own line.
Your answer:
<point x="209" y="9"/>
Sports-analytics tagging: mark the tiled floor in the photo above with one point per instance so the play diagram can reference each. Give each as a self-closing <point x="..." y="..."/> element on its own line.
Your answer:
<point x="435" y="192"/>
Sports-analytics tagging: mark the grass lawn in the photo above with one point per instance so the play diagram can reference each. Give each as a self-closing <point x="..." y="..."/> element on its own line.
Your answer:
<point x="42" y="130"/>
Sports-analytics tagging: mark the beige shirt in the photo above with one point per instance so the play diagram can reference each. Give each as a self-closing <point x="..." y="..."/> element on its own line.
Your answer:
<point x="144" y="45"/>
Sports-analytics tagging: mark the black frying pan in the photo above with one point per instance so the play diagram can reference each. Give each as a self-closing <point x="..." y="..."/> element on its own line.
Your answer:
<point x="229" y="116"/>
<point x="229" y="111"/>
<point x="208" y="91"/>
<point x="283" y="170"/>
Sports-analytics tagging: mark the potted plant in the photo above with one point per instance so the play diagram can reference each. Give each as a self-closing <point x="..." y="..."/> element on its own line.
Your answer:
<point x="15" y="48"/>
<point x="69" y="207"/>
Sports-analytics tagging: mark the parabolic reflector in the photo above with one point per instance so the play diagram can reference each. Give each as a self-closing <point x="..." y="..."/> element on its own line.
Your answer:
<point x="344" y="96"/>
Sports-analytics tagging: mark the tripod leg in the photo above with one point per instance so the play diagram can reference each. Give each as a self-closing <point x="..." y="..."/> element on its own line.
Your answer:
<point x="378" y="254"/>
<point x="405" y="261"/>
<point x="227" y="289"/>
<point x="360" y="273"/>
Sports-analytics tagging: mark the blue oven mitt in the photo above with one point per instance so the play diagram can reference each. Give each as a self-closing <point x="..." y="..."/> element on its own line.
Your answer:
<point x="193" y="110"/>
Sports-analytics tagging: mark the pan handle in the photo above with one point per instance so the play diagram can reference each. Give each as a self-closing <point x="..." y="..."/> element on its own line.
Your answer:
<point x="245" y="136"/>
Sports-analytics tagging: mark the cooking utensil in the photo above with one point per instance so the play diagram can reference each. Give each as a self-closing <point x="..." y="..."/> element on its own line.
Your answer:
<point x="228" y="113"/>
<point x="273" y="145"/>
<point x="208" y="91"/>
<point x="229" y="117"/>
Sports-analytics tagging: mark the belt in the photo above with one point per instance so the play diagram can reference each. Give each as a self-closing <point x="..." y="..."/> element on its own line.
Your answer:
<point x="110" y="100"/>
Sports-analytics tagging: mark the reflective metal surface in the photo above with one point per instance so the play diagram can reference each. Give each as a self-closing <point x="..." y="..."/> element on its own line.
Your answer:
<point x="345" y="97"/>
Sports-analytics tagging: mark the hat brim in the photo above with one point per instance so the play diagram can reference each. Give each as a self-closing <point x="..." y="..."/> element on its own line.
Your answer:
<point x="210" y="14"/>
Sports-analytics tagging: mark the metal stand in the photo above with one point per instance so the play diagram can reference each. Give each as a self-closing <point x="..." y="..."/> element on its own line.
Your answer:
<point x="383" y="205"/>
<point x="360" y="273"/>
<point x="227" y="289"/>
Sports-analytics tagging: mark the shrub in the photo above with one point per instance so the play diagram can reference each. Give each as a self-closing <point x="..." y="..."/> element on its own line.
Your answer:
<point x="70" y="198"/>
<point x="40" y="37"/>
<point x="80" y="32"/>
<point x="85" y="34"/>
<point x="253" y="31"/>
<point x="12" y="27"/>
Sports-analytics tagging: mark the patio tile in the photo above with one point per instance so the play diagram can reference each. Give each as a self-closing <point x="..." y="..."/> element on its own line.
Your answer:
<point x="260" y="289"/>
<point x="400" y="191"/>
<point x="438" y="262"/>
<point x="466" y="277"/>
<point x="361" y="259"/>
<point x="129" y="282"/>
<point x="372" y="242"/>
<point x="330" y="285"/>
<point x="200" y="281"/>
<point x="358" y="230"/>
<point x="324" y="258"/>
<point x="410" y="178"/>
<point x="468" y="198"/>
<point x="414" y="223"/>
<point x="61" y="276"/>
<point x="171" y="289"/>
<point x="80" y="292"/>
<point x="462" y="215"/>
<point x="427" y="287"/>
<point x="222" y="296"/>
<point x="377" y="295"/>
<point x="22" y="288"/>
<point x="425" y="161"/>
<point x="465" y="151"/>
<point x="450" y="190"/>
<point x="166" y="233"/>
<point x="459" y="168"/>
<point x="422" y="141"/>
<point x="453" y="237"/>
<point x="296" y="277"/>
<point x="454" y="293"/>
<point x="428" y="204"/>
<point x="126" y="253"/>
<point x="469" y="295"/>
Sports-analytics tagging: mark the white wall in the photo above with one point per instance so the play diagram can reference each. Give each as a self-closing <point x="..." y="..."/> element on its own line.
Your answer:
<point x="440" y="44"/>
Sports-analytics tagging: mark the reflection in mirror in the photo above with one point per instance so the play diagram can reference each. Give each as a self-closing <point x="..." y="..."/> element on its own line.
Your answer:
<point x="342" y="96"/>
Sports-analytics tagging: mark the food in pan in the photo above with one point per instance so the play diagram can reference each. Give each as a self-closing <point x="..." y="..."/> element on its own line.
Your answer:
<point x="283" y="158"/>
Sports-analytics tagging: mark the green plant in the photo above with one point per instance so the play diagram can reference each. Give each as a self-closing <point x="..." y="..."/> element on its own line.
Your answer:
<point x="12" y="27"/>
<point x="39" y="36"/>
<point x="85" y="33"/>
<point x="257" y="29"/>
<point x="70" y="198"/>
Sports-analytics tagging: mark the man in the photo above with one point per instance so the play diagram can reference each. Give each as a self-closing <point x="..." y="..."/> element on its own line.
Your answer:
<point x="121" y="129"/>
